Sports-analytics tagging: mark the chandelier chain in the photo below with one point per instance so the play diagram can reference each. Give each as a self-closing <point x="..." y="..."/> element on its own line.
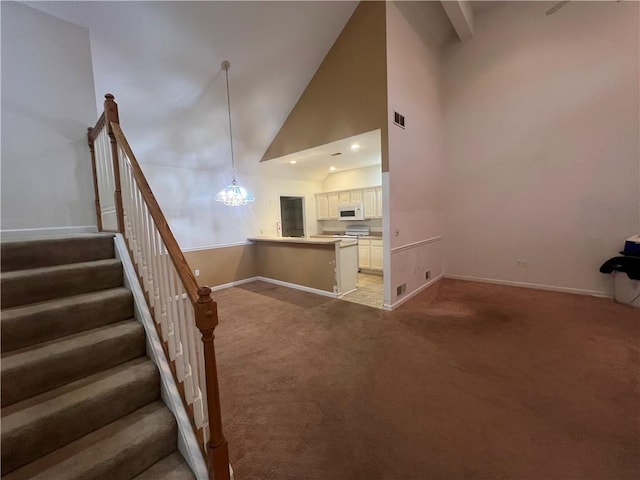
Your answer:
<point x="233" y="163"/>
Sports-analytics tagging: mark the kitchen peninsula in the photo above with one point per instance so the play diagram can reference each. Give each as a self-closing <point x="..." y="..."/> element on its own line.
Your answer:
<point x="323" y="264"/>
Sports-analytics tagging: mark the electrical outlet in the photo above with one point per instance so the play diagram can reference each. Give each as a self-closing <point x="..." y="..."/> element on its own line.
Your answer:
<point x="427" y="275"/>
<point x="196" y="273"/>
<point x="522" y="263"/>
<point x="400" y="289"/>
<point x="396" y="232"/>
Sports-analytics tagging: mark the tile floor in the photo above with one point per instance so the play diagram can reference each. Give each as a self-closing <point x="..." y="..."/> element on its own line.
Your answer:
<point x="370" y="291"/>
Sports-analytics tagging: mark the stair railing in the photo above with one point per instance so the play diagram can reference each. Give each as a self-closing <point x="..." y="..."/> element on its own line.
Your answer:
<point x="184" y="313"/>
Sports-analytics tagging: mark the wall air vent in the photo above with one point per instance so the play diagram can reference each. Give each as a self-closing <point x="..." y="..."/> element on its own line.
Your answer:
<point x="398" y="119"/>
<point x="336" y="154"/>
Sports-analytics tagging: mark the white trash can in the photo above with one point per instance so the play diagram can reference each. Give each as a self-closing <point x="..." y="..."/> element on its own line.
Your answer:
<point x="626" y="290"/>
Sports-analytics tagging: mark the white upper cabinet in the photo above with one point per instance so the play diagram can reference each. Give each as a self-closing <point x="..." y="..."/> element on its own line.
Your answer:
<point x="327" y="203"/>
<point x="369" y="202"/>
<point x="334" y="200"/>
<point x="356" y="196"/>
<point x="379" y="202"/>
<point x="322" y="206"/>
<point x="345" y="198"/>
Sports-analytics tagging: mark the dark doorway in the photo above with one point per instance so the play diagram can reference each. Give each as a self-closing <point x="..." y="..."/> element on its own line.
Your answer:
<point x="292" y="216"/>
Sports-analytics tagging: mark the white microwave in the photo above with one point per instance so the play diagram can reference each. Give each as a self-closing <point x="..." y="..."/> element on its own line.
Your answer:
<point x="351" y="212"/>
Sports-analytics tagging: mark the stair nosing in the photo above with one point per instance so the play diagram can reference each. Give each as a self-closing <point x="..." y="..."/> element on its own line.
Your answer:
<point x="101" y="439"/>
<point x="61" y="301"/>
<point x="40" y="348"/>
<point x="65" y="266"/>
<point x="56" y="397"/>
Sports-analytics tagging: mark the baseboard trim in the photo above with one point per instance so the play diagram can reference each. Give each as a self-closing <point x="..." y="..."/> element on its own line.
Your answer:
<point x="298" y="287"/>
<point x="412" y="294"/>
<point x="234" y="283"/>
<point x="48" y="231"/>
<point x="295" y="286"/>
<point x="346" y="293"/>
<point x="536" y="286"/>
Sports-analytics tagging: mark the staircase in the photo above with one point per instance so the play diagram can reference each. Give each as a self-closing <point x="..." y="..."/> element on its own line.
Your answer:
<point x="80" y="398"/>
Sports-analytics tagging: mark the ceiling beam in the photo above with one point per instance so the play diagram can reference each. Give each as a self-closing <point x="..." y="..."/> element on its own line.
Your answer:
<point x="461" y="17"/>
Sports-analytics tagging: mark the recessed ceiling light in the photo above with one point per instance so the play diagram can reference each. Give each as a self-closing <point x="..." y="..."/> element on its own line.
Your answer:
<point x="355" y="146"/>
<point x="332" y="168"/>
<point x="292" y="162"/>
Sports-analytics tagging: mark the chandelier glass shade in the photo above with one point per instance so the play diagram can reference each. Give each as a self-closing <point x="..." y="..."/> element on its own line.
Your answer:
<point x="232" y="195"/>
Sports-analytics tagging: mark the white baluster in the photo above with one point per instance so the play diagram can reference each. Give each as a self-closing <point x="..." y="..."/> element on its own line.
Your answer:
<point x="202" y="410"/>
<point x="193" y="337"/>
<point x="155" y="267"/>
<point x="124" y="186"/>
<point x="144" y="215"/>
<point x="174" y="329"/>
<point x="164" y="292"/>
<point x="137" y="228"/>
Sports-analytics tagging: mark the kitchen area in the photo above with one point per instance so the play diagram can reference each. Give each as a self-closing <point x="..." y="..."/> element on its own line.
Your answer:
<point x="359" y="217"/>
<point x="343" y="215"/>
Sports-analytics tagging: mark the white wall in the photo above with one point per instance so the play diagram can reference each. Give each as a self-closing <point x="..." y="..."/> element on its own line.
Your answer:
<point x="542" y="136"/>
<point x="356" y="178"/>
<point x="416" y="153"/>
<point x="48" y="101"/>
<point x="187" y="198"/>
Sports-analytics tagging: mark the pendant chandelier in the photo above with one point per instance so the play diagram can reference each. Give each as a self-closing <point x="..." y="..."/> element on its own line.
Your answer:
<point x="233" y="195"/>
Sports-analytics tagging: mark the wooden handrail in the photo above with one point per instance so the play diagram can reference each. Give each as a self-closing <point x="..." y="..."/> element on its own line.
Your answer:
<point x="91" y="139"/>
<point x="175" y="253"/>
<point x="93" y="132"/>
<point x="204" y="312"/>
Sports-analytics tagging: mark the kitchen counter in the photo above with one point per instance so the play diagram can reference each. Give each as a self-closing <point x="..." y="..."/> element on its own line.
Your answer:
<point x="314" y="239"/>
<point x="328" y="264"/>
<point x="337" y="235"/>
<point x="295" y="240"/>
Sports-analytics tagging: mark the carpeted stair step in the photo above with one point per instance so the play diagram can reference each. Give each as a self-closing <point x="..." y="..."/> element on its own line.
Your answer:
<point x="120" y="450"/>
<point x="172" y="467"/>
<point x="39" y="368"/>
<point x="24" y="287"/>
<point x="42" y="424"/>
<point x="40" y="322"/>
<point x="47" y="252"/>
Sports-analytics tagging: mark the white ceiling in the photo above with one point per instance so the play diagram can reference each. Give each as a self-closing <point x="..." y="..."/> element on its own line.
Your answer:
<point x="315" y="163"/>
<point x="161" y="60"/>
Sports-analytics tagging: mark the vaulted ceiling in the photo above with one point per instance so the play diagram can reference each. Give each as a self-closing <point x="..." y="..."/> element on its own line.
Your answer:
<point x="162" y="62"/>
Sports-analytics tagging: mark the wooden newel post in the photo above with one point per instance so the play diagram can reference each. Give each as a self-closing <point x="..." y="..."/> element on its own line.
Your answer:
<point x="217" y="448"/>
<point x="111" y="115"/>
<point x="92" y="150"/>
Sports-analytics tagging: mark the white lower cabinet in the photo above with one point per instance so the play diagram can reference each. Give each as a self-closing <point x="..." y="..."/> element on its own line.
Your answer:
<point x="376" y="255"/>
<point x="370" y="254"/>
<point x="364" y="254"/>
